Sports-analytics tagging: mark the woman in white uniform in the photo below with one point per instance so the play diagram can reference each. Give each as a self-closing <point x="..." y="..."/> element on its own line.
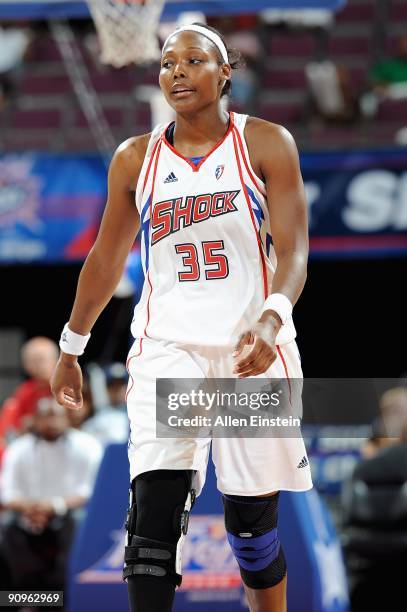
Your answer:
<point x="220" y="201"/>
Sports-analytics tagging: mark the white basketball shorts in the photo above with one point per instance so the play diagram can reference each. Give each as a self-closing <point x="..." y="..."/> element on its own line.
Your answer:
<point x="244" y="466"/>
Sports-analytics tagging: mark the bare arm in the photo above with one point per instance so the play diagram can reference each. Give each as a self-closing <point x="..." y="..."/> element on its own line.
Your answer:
<point x="275" y="157"/>
<point x="104" y="265"/>
<point x="288" y="214"/>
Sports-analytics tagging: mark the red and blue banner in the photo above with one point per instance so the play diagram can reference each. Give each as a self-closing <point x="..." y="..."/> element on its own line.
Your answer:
<point x="51" y="205"/>
<point x="357" y="203"/>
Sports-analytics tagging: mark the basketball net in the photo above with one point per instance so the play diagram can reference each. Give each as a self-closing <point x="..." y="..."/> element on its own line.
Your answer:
<point x="127" y="30"/>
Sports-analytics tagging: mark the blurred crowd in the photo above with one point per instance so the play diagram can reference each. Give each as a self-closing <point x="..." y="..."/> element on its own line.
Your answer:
<point x="14" y="50"/>
<point x="374" y="511"/>
<point x="49" y="461"/>
<point x="332" y="96"/>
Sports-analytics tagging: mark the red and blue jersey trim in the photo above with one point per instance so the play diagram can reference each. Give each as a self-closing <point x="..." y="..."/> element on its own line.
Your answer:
<point x="252" y="216"/>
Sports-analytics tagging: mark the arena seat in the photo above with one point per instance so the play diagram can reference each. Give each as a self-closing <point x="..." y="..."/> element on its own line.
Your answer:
<point x="349" y="45"/>
<point x="45" y="84"/>
<point x="35" y="84"/>
<point x="36" y="119"/>
<point x="280" y="112"/>
<point x="393" y="110"/>
<point x="113" y="81"/>
<point x="356" y="12"/>
<point x="114" y="116"/>
<point x="285" y="79"/>
<point x="300" y="46"/>
<point x="398" y="12"/>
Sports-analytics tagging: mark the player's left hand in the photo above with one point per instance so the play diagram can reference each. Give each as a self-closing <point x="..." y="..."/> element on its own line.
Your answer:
<point x="262" y="339"/>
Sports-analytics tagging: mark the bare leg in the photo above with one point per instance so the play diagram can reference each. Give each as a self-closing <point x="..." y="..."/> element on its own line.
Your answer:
<point x="273" y="599"/>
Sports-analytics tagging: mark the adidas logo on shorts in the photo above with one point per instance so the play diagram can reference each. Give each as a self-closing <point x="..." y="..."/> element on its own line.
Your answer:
<point x="171" y="178"/>
<point x="303" y="462"/>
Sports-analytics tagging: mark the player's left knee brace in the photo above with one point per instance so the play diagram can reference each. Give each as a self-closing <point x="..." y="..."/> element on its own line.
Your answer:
<point x="251" y="526"/>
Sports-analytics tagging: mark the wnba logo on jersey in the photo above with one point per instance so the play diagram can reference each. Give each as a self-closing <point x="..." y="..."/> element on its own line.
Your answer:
<point x="219" y="171"/>
<point x="167" y="215"/>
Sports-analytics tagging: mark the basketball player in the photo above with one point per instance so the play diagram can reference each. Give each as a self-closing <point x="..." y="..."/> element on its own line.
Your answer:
<point x="211" y="189"/>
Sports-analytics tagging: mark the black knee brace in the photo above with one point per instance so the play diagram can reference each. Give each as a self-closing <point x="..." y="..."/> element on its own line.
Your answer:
<point x="251" y="525"/>
<point x="157" y="522"/>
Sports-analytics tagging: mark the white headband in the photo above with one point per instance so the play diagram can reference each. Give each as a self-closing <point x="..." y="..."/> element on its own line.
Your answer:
<point x="205" y="32"/>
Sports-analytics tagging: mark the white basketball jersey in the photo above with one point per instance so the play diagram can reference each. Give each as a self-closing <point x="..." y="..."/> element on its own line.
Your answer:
<point x="206" y="246"/>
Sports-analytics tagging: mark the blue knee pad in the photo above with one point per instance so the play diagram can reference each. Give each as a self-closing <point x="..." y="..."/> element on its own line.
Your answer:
<point x="251" y="526"/>
<point x="255" y="554"/>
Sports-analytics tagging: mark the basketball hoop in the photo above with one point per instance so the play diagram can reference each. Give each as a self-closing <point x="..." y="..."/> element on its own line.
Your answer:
<point x="127" y="30"/>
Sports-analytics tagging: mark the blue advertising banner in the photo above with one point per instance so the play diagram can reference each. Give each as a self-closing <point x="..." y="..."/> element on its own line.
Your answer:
<point x="71" y="8"/>
<point x="211" y="578"/>
<point x="357" y="202"/>
<point x="51" y="205"/>
<point x="333" y="452"/>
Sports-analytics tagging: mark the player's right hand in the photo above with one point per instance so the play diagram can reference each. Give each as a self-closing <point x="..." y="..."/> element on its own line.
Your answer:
<point x="66" y="382"/>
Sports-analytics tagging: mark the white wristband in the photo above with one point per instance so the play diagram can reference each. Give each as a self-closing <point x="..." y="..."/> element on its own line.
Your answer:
<point x="280" y="304"/>
<point x="72" y="343"/>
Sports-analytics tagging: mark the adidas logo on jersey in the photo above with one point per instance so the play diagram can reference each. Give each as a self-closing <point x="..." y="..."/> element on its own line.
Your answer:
<point x="171" y="178"/>
<point x="303" y="463"/>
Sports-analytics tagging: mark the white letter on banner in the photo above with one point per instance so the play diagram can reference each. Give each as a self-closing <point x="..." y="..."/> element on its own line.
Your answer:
<point x="371" y="198"/>
<point x="400" y="217"/>
<point x="312" y="194"/>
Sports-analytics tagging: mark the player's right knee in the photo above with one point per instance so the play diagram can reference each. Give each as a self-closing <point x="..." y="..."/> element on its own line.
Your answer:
<point x="157" y="522"/>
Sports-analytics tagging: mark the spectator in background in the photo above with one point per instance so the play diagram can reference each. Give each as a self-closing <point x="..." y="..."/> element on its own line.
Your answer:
<point x="393" y="406"/>
<point x="385" y="453"/>
<point x="47" y="476"/>
<point x="391" y="71"/>
<point x="14" y="44"/>
<point x="388" y="79"/>
<point x="391" y="423"/>
<point x="39" y="357"/>
<point x="375" y="513"/>
<point x="388" y="465"/>
<point x="110" y="424"/>
<point x="244" y="36"/>
<point x="377" y="441"/>
<point x="332" y="96"/>
<point x="116" y="383"/>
